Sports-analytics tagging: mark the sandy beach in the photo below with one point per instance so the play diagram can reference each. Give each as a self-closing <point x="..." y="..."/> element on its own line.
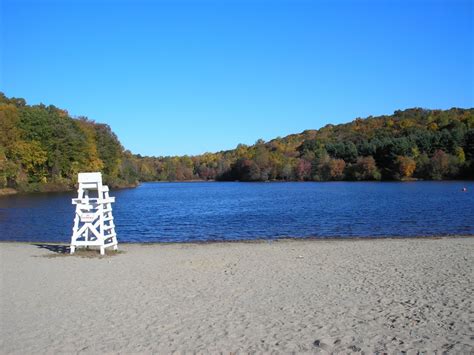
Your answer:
<point x="317" y="296"/>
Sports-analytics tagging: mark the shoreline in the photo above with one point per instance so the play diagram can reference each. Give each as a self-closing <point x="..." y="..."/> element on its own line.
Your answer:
<point x="46" y="189"/>
<point x="265" y="240"/>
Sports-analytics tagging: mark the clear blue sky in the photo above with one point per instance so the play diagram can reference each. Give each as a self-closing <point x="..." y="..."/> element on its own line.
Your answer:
<point x="185" y="77"/>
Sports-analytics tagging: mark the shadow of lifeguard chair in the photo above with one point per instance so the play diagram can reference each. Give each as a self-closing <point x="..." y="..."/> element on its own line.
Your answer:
<point x="93" y="223"/>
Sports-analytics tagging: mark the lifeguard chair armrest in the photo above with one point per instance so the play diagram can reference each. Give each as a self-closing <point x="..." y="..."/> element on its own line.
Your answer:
<point x="76" y="201"/>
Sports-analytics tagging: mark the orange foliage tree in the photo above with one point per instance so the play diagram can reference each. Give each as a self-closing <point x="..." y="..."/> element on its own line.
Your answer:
<point x="405" y="167"/>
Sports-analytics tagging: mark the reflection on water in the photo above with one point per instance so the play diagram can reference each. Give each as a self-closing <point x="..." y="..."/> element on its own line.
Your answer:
<point x="175" y="212"/>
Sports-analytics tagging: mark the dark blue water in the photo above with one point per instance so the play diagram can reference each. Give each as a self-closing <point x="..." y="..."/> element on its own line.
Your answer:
<point x="177" y="212"/>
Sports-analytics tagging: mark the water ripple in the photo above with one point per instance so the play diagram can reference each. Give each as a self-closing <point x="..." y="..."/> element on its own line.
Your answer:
<point x="183" y="212"/>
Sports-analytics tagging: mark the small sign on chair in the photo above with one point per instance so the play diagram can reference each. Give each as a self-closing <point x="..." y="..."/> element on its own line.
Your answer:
<point x="87" y="217"/>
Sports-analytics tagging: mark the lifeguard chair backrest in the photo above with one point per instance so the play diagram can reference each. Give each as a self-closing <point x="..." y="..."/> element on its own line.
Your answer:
<point x="90" y="180"/>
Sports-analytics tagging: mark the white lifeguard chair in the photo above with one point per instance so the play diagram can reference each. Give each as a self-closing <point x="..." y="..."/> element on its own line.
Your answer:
<point x="93" y="223"/>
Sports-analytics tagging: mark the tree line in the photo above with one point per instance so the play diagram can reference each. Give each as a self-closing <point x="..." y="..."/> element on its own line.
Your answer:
<point x="410" y="144"/>
<point x="42" y="148"/>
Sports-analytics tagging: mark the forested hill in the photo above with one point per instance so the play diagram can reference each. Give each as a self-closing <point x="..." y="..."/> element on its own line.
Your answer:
<point x="42" y="148"/>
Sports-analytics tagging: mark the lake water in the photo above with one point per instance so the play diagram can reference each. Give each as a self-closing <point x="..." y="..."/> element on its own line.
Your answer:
<point x="203" y="211"/>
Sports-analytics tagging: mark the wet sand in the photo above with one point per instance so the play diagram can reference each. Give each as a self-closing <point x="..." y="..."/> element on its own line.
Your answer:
<point x="385" y="295"/>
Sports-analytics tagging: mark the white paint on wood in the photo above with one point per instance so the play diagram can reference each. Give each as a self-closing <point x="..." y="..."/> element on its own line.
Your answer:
<point x="93" y="223"/>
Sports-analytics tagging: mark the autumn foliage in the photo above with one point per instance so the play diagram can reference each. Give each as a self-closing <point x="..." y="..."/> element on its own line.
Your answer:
<point x="43" y="148"/>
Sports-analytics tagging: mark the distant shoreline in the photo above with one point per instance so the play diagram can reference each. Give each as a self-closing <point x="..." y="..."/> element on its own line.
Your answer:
<point x="47" y="189"/>
<point x="10" y="191"/>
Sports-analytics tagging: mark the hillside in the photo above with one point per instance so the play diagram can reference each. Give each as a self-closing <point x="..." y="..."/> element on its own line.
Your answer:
<point x="42" y="148"/>
<point x="415" y="143"/>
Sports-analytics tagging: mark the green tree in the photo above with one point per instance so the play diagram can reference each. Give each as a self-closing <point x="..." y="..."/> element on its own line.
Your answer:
<point x="366" y="169"/>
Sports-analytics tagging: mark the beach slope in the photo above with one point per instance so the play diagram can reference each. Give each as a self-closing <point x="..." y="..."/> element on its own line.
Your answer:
<point x="289" y="295"/>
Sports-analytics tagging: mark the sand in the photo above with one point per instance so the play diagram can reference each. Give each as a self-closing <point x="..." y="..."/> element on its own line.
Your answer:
<point x="388" y="295"/>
